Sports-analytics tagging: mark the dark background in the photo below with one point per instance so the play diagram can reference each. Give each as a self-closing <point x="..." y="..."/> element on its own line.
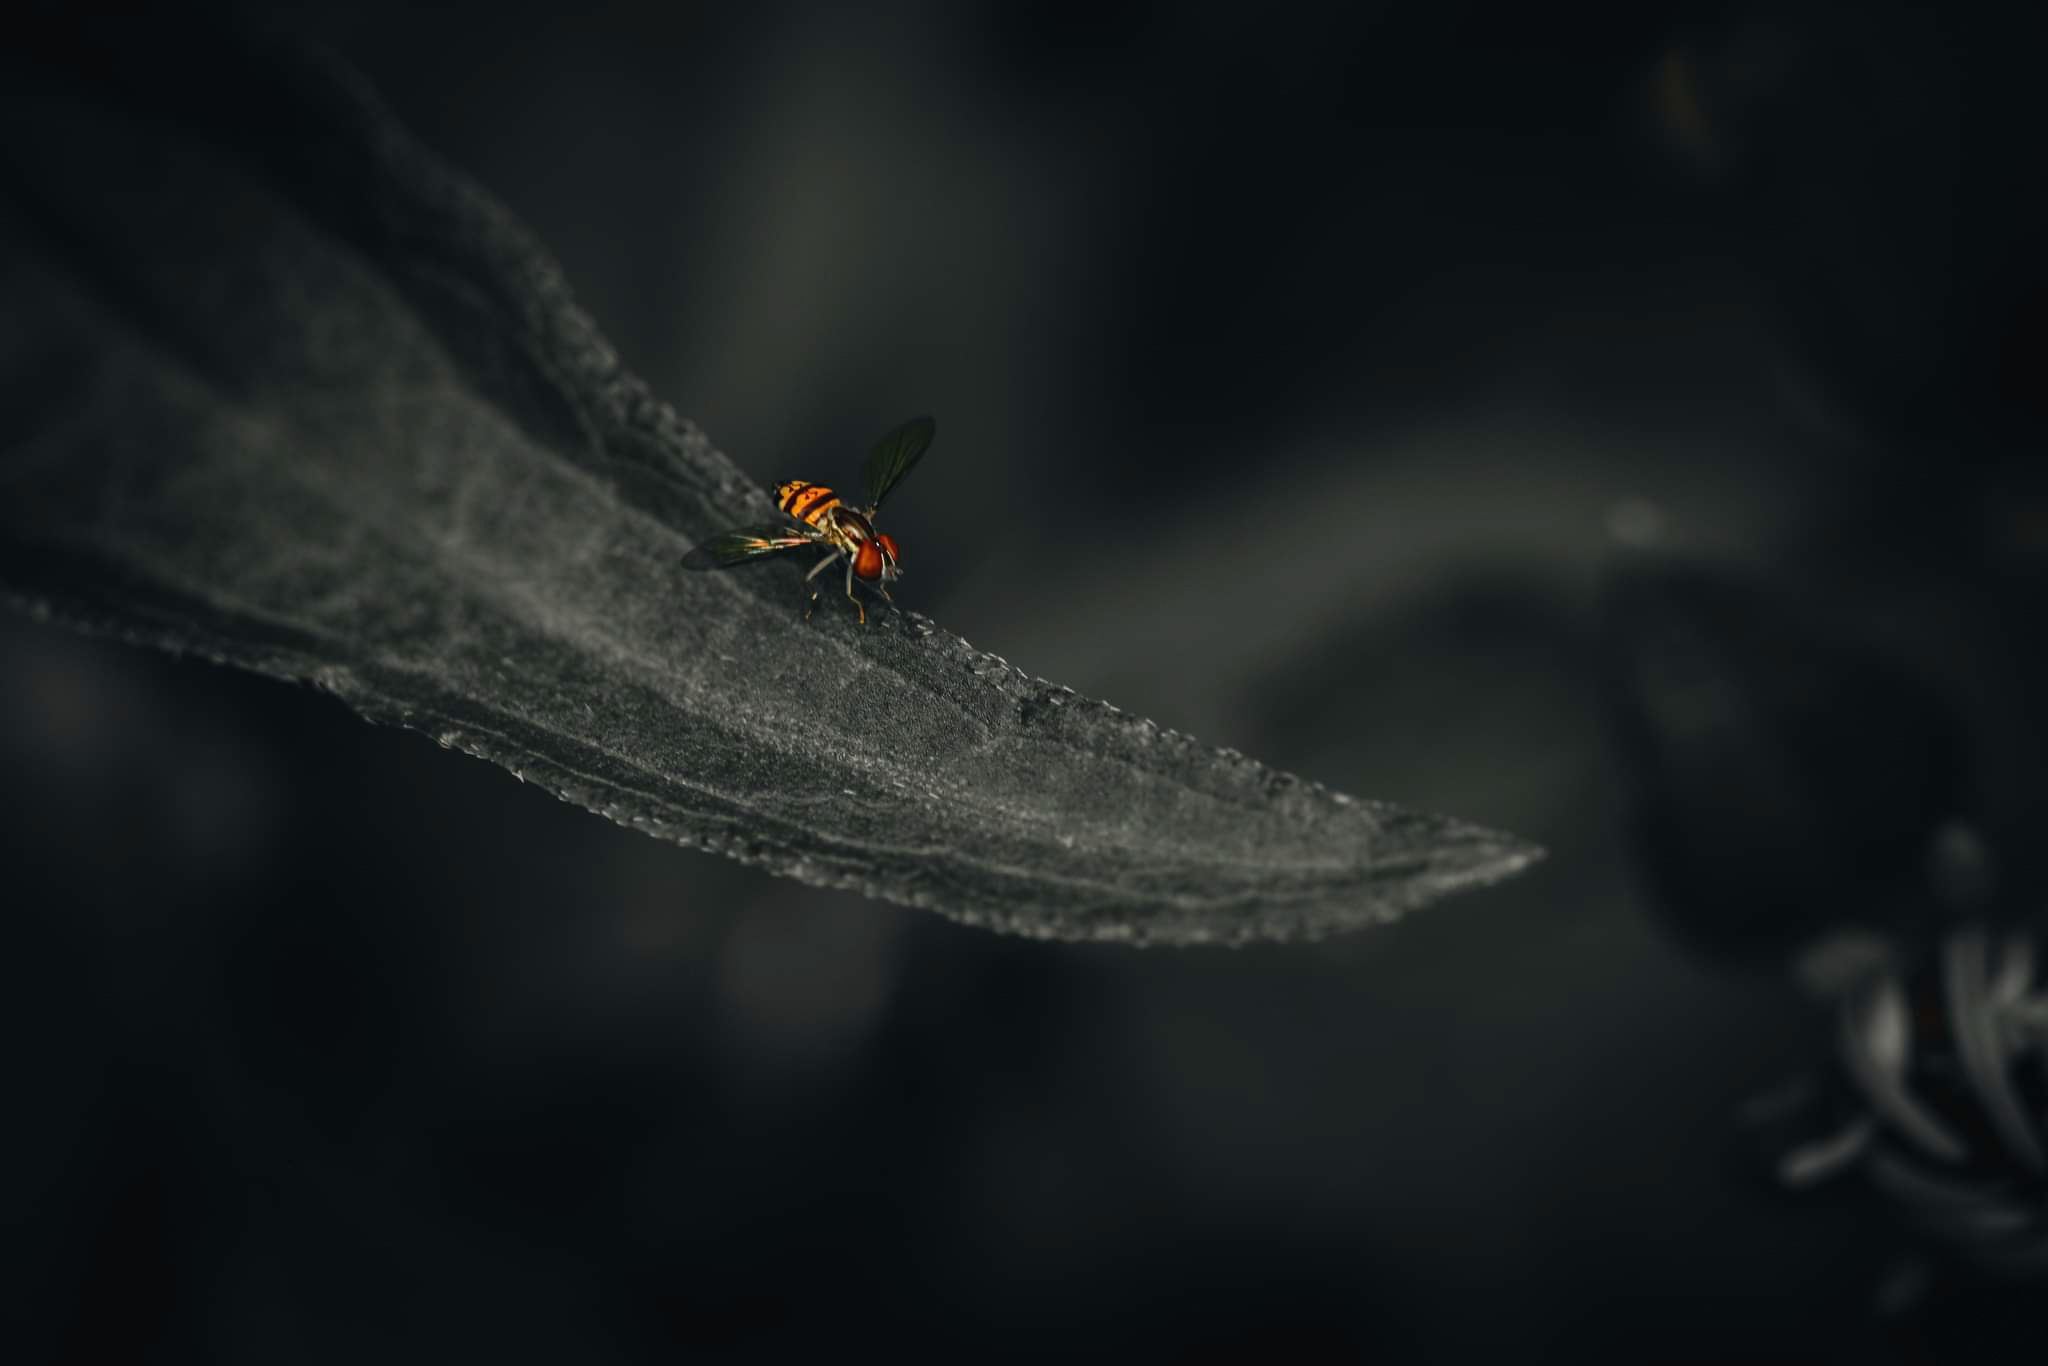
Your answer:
<point x="1300" y="373"/>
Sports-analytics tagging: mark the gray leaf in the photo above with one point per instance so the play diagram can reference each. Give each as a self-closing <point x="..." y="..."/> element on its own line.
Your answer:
<point x="287" y="393"/>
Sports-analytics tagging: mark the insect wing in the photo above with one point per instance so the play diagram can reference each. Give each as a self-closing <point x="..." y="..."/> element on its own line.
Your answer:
<point x="744" y="543"/>
<point x="895" y="455"/>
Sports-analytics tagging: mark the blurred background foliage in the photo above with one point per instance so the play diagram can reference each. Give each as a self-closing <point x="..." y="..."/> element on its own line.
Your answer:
<point x="1469" y="405"/>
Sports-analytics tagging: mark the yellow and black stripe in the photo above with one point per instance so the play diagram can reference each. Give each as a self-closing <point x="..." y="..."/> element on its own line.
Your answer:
<point x="808" y="503"/>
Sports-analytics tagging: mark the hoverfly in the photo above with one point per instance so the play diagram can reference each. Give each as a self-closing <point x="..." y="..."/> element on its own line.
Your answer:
<point x="819" y="518"/>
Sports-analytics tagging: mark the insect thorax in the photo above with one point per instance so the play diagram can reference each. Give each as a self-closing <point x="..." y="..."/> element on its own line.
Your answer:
<point x="849" y="526"/>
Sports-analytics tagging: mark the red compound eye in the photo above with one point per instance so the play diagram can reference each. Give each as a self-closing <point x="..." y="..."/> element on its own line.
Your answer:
<point x="867" y="564"/>
<point x="889" y="547"/>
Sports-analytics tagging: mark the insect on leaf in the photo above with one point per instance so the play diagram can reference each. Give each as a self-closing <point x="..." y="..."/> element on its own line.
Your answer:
<point x="290" y="394"/>
<point x="895" y="456"/>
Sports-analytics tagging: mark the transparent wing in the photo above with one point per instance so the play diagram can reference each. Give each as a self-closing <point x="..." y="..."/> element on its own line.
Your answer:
<point x="895" y="455"/>
<point x="745" y="543"/>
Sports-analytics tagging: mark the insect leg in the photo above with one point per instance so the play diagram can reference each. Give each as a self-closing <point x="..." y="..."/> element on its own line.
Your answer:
<point x="816" y="570"/>
<point x="849" y="593"/>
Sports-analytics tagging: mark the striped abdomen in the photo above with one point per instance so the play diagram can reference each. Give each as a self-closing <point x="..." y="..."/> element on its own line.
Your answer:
<point x="810" y="504"/>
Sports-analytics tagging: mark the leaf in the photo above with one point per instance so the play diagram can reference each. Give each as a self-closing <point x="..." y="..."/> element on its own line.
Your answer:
<point x="292" y="395"/>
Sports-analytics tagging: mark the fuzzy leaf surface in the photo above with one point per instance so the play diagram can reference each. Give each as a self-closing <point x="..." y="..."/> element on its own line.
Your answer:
<point x="286" y="392"/>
